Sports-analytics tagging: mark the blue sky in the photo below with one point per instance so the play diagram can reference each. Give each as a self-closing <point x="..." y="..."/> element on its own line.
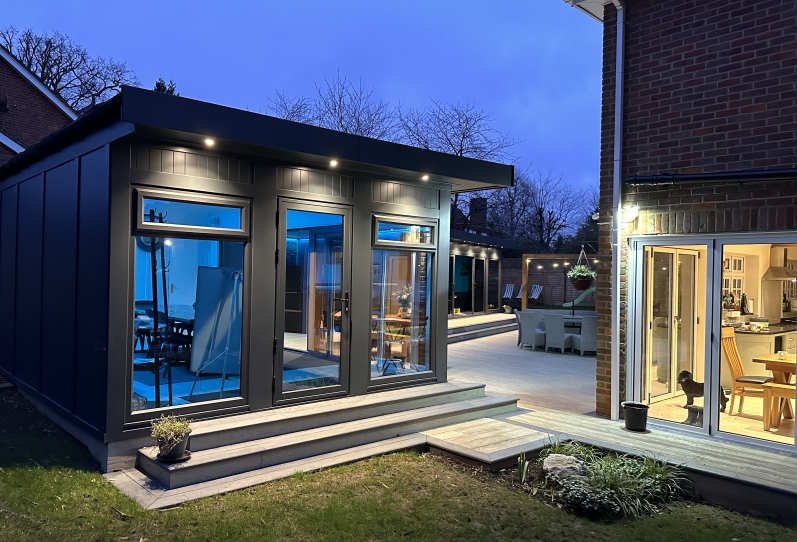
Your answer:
<point x="535" y="64"/>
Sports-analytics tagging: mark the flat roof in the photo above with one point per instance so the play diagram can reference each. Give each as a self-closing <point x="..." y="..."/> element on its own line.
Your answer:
<point x="159" y="115"/>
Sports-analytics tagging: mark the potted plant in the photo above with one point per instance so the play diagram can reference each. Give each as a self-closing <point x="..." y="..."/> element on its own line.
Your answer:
<point x="581" y="276"/>
<point x="507" y="309"/>
<point x="171" y="433"/>
<point x="404" y="299"/>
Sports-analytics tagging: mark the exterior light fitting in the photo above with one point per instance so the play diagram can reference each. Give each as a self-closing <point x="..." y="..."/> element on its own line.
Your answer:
<point x="425" y="178"/>
<point x="539" y="267"/>
<point x="556" y="265"/>
<point x="333" y="163"/>
<point x="209" y="142"/>
<point x="567" y="263"/>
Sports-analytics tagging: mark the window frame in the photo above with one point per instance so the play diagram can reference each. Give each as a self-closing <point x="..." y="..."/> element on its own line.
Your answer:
<point x="140" y="227"/>
<point x="404" y="221"/>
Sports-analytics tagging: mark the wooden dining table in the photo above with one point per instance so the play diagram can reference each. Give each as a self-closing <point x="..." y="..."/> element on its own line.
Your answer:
<point x="782" y="371"/>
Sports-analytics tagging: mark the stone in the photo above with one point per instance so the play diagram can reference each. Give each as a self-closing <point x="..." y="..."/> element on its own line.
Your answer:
<point x="563" y="466"/>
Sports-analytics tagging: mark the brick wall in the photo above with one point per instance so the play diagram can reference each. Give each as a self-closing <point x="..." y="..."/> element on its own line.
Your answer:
<point x="31" y="115"/>
<point x="710" y="86"/>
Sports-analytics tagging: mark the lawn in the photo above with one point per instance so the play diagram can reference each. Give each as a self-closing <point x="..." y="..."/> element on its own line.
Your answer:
<point x="50" y="490"/>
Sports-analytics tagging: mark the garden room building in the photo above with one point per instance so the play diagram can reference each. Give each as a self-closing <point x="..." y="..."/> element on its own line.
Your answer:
<point x="165" y="255"/>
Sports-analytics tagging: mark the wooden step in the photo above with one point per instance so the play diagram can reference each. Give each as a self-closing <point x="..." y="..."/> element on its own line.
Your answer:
<point x="509" y="320"/>
<point x="211" y="464"/>
<point x="495" y="329"/>
<point x="208" y="434"/>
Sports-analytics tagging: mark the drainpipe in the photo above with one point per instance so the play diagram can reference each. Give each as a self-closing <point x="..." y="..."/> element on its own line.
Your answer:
<point x="616" y="219"/>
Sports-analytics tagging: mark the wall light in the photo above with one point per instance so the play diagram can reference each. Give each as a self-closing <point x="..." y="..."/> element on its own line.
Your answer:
<point x="629" y="214"/>
<point x="595" y="261"/>
<point x="333" y="163"/>
<point x="209" y="142"/>
<point x="425" y="178"/>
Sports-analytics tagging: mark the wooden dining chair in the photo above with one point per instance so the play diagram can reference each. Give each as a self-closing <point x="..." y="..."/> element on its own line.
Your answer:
<point x="741" y="384"/>
<point x="775" y="397"/>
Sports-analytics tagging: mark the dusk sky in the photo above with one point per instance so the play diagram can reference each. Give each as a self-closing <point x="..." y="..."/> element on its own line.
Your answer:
<point x="534" y="64"/>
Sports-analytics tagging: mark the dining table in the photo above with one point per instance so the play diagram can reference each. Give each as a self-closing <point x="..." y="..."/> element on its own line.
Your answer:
<point x="573" y="321"/>
<point x="782" y="370"/>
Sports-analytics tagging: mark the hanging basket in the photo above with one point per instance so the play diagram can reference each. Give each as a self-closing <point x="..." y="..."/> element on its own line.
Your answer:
<point x="581" y="284"/>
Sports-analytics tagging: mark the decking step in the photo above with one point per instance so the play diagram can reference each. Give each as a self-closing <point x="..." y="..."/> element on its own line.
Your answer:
<point x="152" y="495"/>
<point x="220" y="462"/>
<point x="483" y="332"/>
<point x="510" y="320"/>
<point x="258" y="425"/>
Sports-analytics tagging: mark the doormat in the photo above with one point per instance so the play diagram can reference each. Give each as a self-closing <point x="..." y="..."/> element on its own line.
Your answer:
<point x="5" y="383"/>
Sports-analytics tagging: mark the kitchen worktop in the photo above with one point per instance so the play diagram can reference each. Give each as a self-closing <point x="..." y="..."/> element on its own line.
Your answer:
<point x="774" y="329"/>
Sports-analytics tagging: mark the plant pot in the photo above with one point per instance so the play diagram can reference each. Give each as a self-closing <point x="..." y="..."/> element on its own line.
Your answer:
<point x="175" y="453"/>
<point x="582" y="283"/>
<point x="508" y="310"/>
<point x="636" y="416"/>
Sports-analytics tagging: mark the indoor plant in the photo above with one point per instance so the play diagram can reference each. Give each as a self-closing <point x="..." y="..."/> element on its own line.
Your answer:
<point x="404" y="298"/>
<point x="171" y="434"/>
<point x="581" y="276"/>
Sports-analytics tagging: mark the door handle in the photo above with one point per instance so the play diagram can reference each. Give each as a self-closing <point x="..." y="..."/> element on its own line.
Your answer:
<point x="344" y="301"/>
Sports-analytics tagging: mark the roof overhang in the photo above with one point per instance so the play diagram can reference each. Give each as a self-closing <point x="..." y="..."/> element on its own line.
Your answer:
<point x="593" y="8"/>
<point x="190" y="122"/>
<point x="10" y="143"/>
<point x="469" y="238"/>
<point x="36" y="82"/>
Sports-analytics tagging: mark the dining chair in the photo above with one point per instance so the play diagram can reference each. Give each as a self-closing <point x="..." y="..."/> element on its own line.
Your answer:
<point x="555" y="336"/>
<point x="527" y="332"/>
<point x="741" y="384"/>
<point x="775" y="397"/>
<point x="588" y="340"/>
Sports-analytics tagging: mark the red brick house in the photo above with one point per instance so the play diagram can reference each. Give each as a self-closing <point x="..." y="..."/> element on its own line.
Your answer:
<point x="698" y="184"/>
<point x="29" y="111"/>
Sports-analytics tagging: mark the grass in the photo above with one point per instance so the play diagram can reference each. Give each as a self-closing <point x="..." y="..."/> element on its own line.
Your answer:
<point x="50" y="490"/>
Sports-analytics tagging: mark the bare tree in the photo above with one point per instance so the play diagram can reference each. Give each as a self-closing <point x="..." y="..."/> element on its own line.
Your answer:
<point x="66" y="67"/>
<point x="457" y="129"/>
<point x="555" y="209"/>
<point x="340" y="105"/>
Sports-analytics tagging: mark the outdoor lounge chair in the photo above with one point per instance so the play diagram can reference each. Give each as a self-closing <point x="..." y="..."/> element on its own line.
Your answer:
<point x="588" y="340"/>
<point x="555" y="336"/>
<point x="535" y="293"/>
<point x="527" y="330"/>
<point x="509" y="290"/>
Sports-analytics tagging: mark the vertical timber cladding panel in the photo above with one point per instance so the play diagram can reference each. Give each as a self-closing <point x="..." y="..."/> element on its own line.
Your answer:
<point x="177" y="162"/>
<point x="27" y="336"/>
<point x="8" y="275"/>
<point x="315" y="182"/>
<point x="555" y="287"/>
<point x="92" y="289"/>
<point x="59" y="258"/>
<point x="405" y="194"/>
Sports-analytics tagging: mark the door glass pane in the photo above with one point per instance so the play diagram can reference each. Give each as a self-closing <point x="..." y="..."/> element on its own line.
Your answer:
<point x="478" y="286"/>
<point x="493" y="301"/>
<point x="757" y="334"/>
<point x="463" y="286"/>
<point x="188" y="321"/>
<point x="313" y="311"/>
<point x="674" y="353"/>
<point x="400" y="309"/>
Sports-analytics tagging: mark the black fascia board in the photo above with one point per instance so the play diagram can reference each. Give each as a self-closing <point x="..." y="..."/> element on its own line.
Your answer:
<point x="746" y="176"/>
<point x="476" y="239"/>
<point x="245" y="131"/>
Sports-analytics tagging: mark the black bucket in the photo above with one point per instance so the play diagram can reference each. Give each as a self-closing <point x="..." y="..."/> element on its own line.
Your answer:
<point x="636" y="415"/>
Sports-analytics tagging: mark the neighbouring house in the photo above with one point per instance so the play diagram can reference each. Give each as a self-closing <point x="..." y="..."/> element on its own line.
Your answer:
<point x="165" y="255"/>
<point x="29" y="111"/>
<point x="698" y="214"/>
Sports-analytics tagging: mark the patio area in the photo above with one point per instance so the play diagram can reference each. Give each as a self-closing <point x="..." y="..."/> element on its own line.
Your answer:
<point x="564" y="382"/>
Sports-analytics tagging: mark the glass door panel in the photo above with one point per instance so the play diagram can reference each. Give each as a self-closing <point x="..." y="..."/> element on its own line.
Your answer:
<point x="493" y="279"/>
<point x="672" y="368"/>
<point x="478" y="285"/>
<point x="313" y="316"/>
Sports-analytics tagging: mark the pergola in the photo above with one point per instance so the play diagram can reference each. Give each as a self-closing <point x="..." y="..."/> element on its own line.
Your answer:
<point x="549" y="271"/>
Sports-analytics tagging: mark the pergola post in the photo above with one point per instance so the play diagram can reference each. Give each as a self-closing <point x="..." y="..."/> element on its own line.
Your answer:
<point x="524" y="282"/>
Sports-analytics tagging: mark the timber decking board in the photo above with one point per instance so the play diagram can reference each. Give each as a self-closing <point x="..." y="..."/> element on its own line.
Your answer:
<point x="229" y="460"/>
<point x="706" y="454"/>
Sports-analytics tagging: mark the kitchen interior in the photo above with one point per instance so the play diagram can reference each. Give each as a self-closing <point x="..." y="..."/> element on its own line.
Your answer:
<point x="759" y="318"/>
<point x="759" y="301"/>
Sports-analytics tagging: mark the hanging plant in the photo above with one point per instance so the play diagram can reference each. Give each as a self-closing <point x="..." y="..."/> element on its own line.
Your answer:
<point x="581" y="275"/>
